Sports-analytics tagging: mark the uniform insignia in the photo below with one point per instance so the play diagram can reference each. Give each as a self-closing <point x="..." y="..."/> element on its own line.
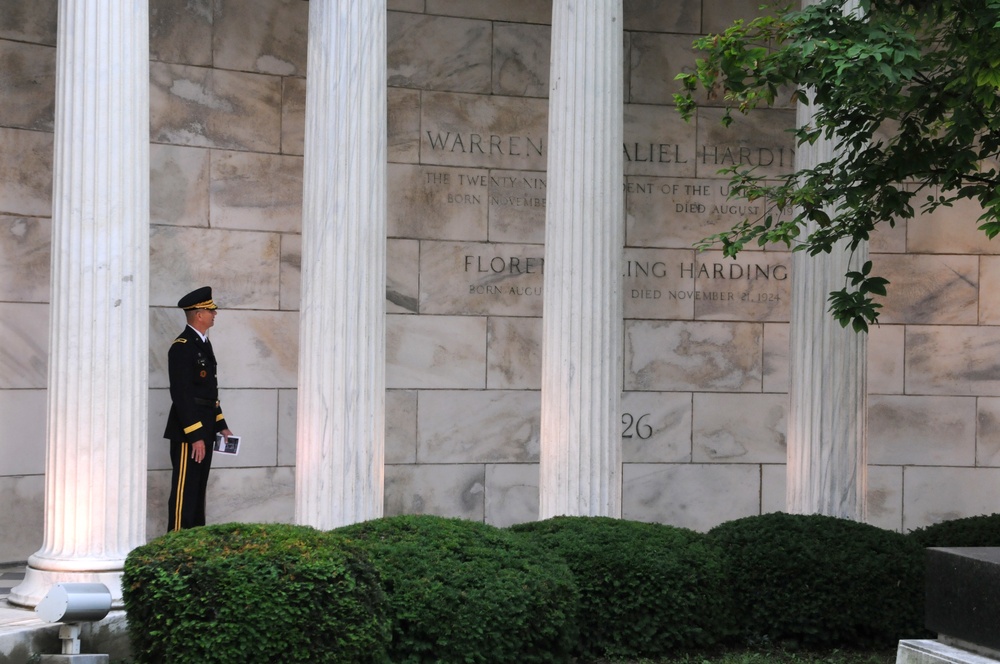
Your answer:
<point x="180" y="340"/>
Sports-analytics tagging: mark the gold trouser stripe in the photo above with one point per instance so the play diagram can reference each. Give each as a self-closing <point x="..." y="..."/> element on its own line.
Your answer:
<point x="193" y="427"/>
<point x="181" y="478"/>
<point x="220" y="417"/>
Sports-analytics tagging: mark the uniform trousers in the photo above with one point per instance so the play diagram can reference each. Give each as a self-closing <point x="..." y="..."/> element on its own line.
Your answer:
<point x="188" y="486"/>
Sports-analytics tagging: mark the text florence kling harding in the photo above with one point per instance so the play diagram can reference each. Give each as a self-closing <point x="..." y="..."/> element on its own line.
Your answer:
<point x="732" y="271"/>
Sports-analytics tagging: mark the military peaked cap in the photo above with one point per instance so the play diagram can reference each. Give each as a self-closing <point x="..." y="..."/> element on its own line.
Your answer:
<point x="197" y="299"/>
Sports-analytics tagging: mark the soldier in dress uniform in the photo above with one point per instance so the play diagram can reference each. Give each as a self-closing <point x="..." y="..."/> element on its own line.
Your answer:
<point x="195" y="414"/>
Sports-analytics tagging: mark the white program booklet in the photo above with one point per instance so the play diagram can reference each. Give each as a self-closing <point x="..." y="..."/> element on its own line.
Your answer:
<point x="229" y="445"/>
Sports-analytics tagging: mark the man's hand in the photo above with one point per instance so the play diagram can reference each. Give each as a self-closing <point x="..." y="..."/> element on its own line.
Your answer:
<point x="198" y="451"/>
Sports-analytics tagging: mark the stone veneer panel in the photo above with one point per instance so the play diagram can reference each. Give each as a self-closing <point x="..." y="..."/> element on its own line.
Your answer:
<point x="287" y="407"/>
<point x="252" y="415"/>
<point x="241" y="267"/>
<point x="23" y="527"/>
<point x="293" y="115"/>
<point x="514" y="351"/>
<point x="517" y="201"/>
<point x="885" y="359"/>
<point x="25" y="258"/>
<point x="696" y="496"/>
<point x="403" y="125"/>
<point x="956" y="360"/>
<point x="258" y="495"/>
<point x="158" y="448"/>
<point x="989" y="298"/>
<point x="656" y="60"/>
<point x="473" y="278"/>
<point x="754" y="286"/>
<point x="680" y="212"/>
<point x="950" y="230"/>
<point x="511" y="494"/>
<point x="659" y="16"/>
<point x="658" y="284"/>
<point x="27" y="88"/>
<point x="290" y="271"/>
<point x="454" y="490"/>
<point x="889" y="239"/>
<point x="940" y="290"/>
<point x="931" y="495"/>
<point x="926" y="431"/>
<point x="739" y="428"/>
<point x="24" y="353"/>
<point x="432" y="202"/>
<point x="759" y="139"/>
<point x="657" y="142"/>
<point x="703" y="356"/>
<point x="717" y="15"/>
<point x="255" y="349"/>
<point x="521" y="59"/>
<point x="22" y="447"/>
<point x="472" y="426"/>
<point x="29" y="21"/>
<point x="214" y="108"/>
<point x="178" y="185"/>
<point x="439" y="53"/>
<point x="521" y="11"/>
<point x="264" y="36"/>
<point x="988" y="431"/>
<point x="776" y="369"/>
<point x="402" y="277"/>
<point x="435" y="352"/>
<point x="656" y="427"/>
<point x="26" y="172"/>
<point x="483" y="131"/>
<point x="401" y="426"/>
<point x="257" y="192"/>
<point x="180" y="31"/>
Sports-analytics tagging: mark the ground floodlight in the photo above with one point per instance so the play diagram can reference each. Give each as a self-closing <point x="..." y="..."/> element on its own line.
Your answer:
<point x="75" y="602"/>
<point x="71" y="604"/>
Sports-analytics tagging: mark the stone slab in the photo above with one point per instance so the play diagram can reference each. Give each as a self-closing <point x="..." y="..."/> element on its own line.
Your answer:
<point x="438" y="53"/>
<point x="521" y="59"/>
<point x="264" y="36"/>
<point x="926" y="651"/>
<point x="25" y="258"/>
<point x="26" y="172"/>
<point x="963" y="595"/>
<point x="693" y="355"/>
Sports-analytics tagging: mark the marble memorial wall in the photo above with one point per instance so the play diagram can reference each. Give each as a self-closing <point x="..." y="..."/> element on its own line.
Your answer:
<point x="705" y="338"/>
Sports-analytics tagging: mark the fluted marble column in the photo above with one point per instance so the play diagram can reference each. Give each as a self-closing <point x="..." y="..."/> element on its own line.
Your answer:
<point x="95" y="469"/>
<point x="827" y="443"/>
<point x="341" y="388"/>
<point x="582" y="317"/>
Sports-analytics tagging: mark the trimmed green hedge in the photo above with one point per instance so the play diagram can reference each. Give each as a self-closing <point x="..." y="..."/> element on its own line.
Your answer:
<point x="253" y="593"/>
<point x="463" y="591"/>
<point x="981" y="530"/>
<point x="646" y="589"/>
<point x="819" y="581"/>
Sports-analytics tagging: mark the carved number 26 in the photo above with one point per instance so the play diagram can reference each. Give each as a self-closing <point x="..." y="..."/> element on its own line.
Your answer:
<point x="633" y="424"/>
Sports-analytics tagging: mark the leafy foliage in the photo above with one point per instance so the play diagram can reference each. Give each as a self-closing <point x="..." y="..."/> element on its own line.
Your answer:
<point x="820" y="582"/>
<point x="983" y="530"/>
<point x="463" y="591"/>
<point x="253" y="593"/>
<point x="909" y="88"/>
<point x="646" y="589"/>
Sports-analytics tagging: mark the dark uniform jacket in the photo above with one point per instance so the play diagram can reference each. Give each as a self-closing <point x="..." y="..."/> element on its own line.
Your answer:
<point x="194" y="389"/>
